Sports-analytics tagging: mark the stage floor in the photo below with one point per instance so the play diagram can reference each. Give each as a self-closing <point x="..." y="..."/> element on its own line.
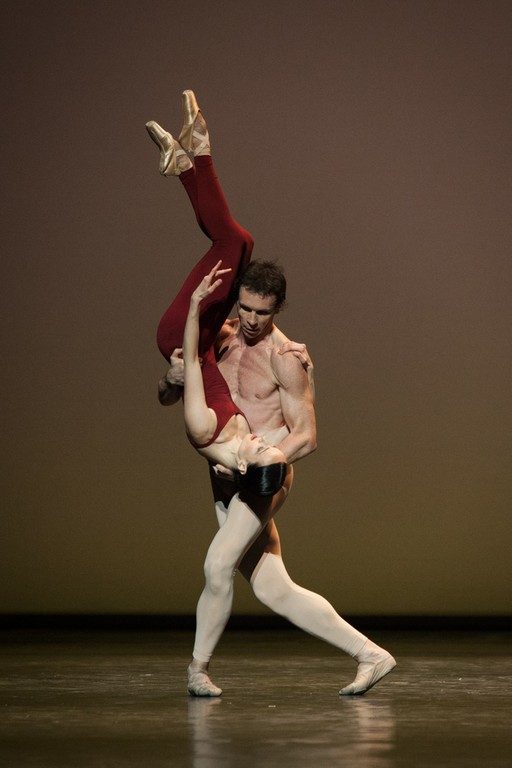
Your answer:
<point x="104" y="699"/>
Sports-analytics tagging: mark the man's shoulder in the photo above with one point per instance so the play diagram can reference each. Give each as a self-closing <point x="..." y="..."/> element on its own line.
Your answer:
<point x="230" y="326"/>
<point x="286" y="367"/>
<point x="277" y="337"/>
<point x="227" y="332"/>
<point x="282" y="364"/>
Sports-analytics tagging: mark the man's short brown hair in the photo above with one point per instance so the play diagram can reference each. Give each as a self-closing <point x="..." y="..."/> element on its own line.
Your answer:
<point x="265" y="278"/>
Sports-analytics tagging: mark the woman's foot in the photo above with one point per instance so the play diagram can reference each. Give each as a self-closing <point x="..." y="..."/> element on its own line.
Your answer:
<point x="199" y="683"/>
<point x="173" y="158"/>
<point x="194" y="134"/>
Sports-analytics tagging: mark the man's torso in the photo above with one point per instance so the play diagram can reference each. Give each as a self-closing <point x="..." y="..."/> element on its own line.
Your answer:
<point x="251" y="379"/>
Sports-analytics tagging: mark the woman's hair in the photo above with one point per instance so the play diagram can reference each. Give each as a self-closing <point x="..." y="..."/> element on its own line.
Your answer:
<point x="262" y="481"/>
<point x="265" y="278"/>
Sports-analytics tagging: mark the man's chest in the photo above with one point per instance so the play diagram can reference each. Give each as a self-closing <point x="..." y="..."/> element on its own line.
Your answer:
<point x="248" y="372"/>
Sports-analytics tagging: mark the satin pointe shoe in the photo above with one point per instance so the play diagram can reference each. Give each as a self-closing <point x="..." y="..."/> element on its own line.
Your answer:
<point x="171" y="153"/>
<point x="194" y="138"/>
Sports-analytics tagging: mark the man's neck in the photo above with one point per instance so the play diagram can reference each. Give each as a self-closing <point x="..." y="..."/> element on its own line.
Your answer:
<point x="253" y="341"/>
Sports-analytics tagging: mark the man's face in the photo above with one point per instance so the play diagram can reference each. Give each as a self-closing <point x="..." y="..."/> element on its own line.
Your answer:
<point x="256" y="314"/>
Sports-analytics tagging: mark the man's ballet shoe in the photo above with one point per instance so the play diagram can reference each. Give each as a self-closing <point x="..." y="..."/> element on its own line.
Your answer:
<point x="199" y="684"/>
<point x="370" y="672"/>
<point x="170" y="151"/>
<point x="189" y="133"/>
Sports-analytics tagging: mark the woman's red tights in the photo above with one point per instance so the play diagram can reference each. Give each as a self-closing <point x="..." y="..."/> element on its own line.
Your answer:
<point x="230" y="243"/>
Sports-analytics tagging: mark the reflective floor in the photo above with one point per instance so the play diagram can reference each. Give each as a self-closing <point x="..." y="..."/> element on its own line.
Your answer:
<point x="72" y="700"/>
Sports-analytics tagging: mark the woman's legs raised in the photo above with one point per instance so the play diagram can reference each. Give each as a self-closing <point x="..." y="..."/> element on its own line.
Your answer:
<point x="230" y="243"/>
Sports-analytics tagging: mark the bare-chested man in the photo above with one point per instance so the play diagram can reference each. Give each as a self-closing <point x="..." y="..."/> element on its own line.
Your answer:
<point x="271" y="379"/>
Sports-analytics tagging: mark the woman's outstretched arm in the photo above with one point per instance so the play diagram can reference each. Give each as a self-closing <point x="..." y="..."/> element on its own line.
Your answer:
<point x="200" y="421"/>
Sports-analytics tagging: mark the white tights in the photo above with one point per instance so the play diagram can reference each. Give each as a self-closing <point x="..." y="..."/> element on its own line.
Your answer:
<point x="311" y="612"/>
<point x="239" y="527"/>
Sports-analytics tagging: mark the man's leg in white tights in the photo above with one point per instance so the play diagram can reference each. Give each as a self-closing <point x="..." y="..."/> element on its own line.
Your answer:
<point x="273" y="586"/>
<point x="239" y="529"/>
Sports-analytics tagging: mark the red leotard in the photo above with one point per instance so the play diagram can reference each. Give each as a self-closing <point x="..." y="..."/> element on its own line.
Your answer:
<point x="218" y="397"/>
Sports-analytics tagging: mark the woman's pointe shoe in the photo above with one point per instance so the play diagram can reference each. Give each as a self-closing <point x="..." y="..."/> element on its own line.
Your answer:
<point x="190" y="138"/>
<point x="172" y="156"/>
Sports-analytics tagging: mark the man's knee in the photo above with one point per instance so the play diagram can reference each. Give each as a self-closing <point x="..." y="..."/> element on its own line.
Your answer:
<point x="271" y="583"/>
<point x="218" y="573"/>
<point x="273" y="595"/>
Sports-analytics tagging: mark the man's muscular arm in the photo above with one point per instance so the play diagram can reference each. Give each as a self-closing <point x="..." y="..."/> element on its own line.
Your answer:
<point x="297" y="406"/>
<point x="301" y="353"/>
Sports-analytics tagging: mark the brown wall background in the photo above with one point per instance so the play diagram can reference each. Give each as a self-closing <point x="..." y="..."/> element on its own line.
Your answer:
<point x="367" y="147"/>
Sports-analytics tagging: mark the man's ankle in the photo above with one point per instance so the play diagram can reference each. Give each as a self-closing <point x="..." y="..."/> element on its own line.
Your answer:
<point x="198" y="666"/>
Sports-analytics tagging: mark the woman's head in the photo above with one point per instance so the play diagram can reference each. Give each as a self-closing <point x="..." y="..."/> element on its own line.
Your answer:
<point x="262" y="481"/>
<point x="261" y="466"/>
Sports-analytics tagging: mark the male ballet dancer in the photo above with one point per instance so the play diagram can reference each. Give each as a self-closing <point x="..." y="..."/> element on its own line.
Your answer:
<point x="275" y="392"/>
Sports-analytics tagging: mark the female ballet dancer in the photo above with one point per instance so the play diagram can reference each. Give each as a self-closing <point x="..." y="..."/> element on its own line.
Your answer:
<point x="216" y="427"/>
<point x="222" y="434"/>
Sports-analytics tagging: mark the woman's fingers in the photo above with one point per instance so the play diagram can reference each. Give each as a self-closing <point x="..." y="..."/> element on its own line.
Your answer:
<point x="214" y="285"/>
<point x="211" y="281"/>
<point x="216" y="271"/>
<point x="214" y="275"/>
<point x="212" y="272"/>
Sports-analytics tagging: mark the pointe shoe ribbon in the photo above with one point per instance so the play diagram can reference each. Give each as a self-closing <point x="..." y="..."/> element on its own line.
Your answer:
<point x="170" y="150"/>
<point x="188" y="132"/>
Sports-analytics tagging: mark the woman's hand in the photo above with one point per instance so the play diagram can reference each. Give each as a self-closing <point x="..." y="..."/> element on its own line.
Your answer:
<point x="208" y="284"/>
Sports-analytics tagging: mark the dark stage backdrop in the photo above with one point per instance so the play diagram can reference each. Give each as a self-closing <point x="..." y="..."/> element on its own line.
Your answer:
<point x="366" y="145"/>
